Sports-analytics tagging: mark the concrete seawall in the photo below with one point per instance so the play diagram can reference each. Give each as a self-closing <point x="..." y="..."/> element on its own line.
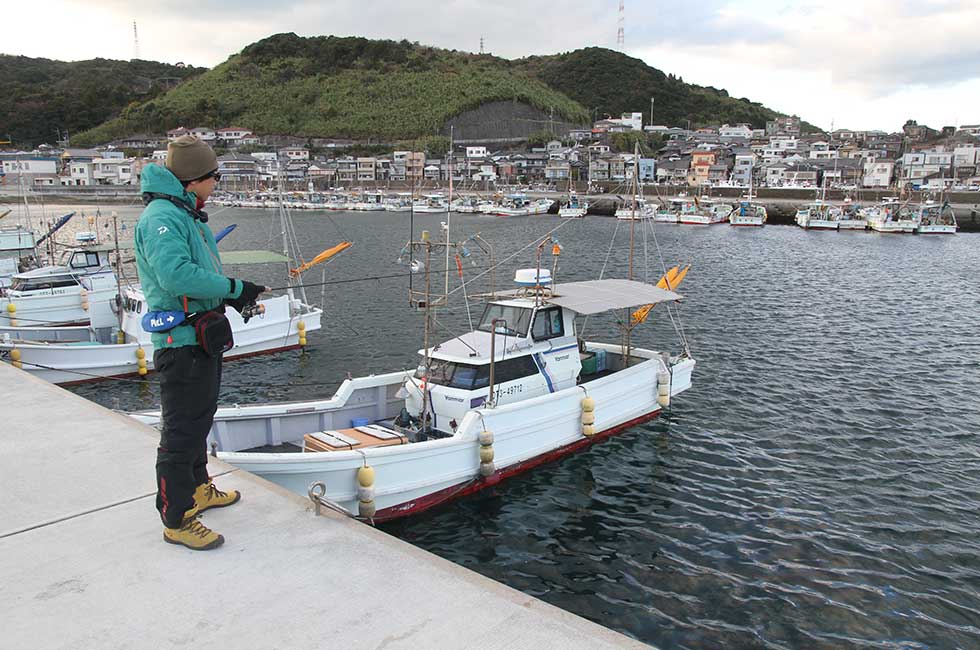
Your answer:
<point x="83" y="565"/>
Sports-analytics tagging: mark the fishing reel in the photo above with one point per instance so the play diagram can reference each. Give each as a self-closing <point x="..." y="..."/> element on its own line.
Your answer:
<point x="251" y="310"/>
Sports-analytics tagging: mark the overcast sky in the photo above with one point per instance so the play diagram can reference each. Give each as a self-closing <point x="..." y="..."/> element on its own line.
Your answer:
<point x="858" y="64"/>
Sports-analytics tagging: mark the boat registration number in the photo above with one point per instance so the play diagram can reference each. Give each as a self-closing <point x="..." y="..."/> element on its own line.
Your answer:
<point x="510" y="390"/>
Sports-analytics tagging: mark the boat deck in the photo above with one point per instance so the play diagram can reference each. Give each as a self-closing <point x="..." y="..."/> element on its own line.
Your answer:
<point x="84" y="565"/>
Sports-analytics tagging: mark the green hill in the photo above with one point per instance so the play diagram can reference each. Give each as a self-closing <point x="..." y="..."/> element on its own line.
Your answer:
<point x="612" y="83"/>
<point x="348" y="87"/>
<point x="338" y="87"/>
<point x="39" y="96"/>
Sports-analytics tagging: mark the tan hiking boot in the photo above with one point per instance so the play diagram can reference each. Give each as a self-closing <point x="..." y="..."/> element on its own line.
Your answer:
<point x="194" y="535"/>
<point x="207" y="496"/>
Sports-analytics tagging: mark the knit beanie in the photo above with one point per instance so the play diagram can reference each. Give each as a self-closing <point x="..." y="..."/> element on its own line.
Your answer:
<point x="190" y="158"/>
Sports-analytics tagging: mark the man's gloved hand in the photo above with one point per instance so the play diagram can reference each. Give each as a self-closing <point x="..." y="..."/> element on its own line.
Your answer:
<point x="250" y="291"/>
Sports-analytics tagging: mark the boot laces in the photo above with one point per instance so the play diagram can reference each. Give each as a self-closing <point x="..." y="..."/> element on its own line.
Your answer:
<point x="195" y="527"/>
<point x="215" y="493"/>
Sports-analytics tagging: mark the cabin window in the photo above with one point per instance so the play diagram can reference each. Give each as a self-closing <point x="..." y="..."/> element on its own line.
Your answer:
<point x="548" y="323"/>
<point x="513" y="369"/>
<point x="516" y="319"/>
<point x="456" y="375"/>
<point x="22" y="284"/>
<point x="84" y="260"/>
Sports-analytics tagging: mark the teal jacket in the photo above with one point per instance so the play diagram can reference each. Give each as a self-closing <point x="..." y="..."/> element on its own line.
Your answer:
<point x="177" y="256"/>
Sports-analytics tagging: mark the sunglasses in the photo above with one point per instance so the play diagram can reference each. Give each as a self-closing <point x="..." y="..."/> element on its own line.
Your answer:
<point x="216" y="175"/>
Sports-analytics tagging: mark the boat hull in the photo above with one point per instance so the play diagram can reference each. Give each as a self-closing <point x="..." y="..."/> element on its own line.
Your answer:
<point x="413" y="477"/>
<point x="66" y="363"/>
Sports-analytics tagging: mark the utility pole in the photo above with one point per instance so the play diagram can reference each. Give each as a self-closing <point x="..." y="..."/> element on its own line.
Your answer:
<point x="651" y="111"/>
<point x="620" y="33"/>
<point x="136" y="43"/>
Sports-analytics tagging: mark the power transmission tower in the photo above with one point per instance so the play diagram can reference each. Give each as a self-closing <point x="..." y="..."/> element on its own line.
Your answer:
<point x="620" y="35"/>
<point x="136" y="43"/>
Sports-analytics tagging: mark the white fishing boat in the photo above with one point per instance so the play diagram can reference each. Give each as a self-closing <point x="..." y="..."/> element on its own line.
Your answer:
<point x="675" y="210"/>
<point x="513" y="205"/>
<point x="574" y="208"/>
<point x="338" y="201"/>
<point x="540" y="206"/>
<point x="466" y="205"/>
<point x="627" y="211"/>
<point x="431" y="203"/>
<point x="369" y="201"/>
<point x="399" y="202"/>
<point x="936" y="219"/>
<point x="54" y="358"/>
<point x="748" y="213"/>
<point x="891" y="216"/>
<point x="707" y="213"/>
<point x="520" y="390"/>
<point x="818" y="216"/>
<point x="852" y="218"/>
<point x="61" y="294"/>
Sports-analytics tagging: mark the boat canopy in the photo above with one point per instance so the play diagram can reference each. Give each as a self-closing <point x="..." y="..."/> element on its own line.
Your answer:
<point x="596" y="296"/>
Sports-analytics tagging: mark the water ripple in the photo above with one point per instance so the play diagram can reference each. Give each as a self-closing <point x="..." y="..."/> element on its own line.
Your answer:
<point x="817" y="487"/>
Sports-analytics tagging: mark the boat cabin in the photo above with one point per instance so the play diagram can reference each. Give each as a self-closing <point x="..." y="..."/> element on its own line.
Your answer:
<point x="534" y="350"/>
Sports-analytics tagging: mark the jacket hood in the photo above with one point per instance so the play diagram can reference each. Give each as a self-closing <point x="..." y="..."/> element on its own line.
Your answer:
<point x="157" y="178"/>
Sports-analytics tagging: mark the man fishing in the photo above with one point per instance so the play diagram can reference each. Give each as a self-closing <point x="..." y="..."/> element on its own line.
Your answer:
<point x="180" y="272"/>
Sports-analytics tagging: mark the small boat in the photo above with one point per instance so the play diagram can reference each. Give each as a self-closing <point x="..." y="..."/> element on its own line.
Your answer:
<point x="61" y="360"/>
<point x="338" y="201"/>
<point x="676" y="209"/>
<point x="708" y="212"/>
<point x="431" y="203"/>
<point x="936" y="219"/>
<point x="818" y="216"/>
<point x="371" y="201"/>
<point x="637" y="210"/>
<point x="513" y="205"/>
<point x="466" y="205"/>
<point x="62" y="294"/>
<point x="574" y="208"/>
<point x="852" y="218"/>
<point x="400" y="202"/>
<point x="891" y="216"/>
<point x="748" y="213"/>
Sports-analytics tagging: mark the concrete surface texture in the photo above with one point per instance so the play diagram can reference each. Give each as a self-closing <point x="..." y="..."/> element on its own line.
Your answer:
<point x="83" y="563"/>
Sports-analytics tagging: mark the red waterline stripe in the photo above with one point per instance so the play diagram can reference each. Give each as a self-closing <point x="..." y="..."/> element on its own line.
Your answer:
<point x="447" y="494"/>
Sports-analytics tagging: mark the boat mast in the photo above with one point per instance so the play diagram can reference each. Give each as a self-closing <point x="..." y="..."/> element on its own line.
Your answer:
<point x="449" y="206"/>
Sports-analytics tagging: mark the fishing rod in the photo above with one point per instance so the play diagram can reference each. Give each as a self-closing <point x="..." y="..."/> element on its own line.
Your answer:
<point x="372" y="277"/>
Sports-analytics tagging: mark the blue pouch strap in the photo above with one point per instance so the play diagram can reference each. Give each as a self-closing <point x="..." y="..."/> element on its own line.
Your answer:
<point x="162" y="321"/>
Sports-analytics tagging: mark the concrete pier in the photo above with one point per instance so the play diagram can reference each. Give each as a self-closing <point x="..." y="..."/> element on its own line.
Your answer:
<point x="83" y="563"/>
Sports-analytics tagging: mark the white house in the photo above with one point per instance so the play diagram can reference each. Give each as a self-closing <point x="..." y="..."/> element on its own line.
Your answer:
<point x="476" y="152"/>
<point x="232" y="135"/>
<point x="295" y="153"/>
<point x="878" y="173"/>
<point x="204" y="133"/>
<point x="737" y="131"/>
<point x="78" y="173"/>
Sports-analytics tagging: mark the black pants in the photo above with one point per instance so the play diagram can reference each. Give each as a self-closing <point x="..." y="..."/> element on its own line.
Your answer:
<point x="189" y="383"/>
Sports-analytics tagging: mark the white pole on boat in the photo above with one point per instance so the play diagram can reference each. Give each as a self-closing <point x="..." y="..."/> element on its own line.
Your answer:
<point x="449" y="208"/>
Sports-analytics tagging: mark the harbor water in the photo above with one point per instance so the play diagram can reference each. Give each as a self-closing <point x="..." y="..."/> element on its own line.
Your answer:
<point x="817" y="487"/>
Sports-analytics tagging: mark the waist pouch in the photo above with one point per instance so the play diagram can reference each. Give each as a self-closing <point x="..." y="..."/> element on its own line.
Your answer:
<point x="213" y="332"/>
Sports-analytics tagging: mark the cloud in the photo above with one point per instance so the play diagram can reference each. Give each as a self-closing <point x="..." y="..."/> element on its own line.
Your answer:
<point x="822" y="59"/>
